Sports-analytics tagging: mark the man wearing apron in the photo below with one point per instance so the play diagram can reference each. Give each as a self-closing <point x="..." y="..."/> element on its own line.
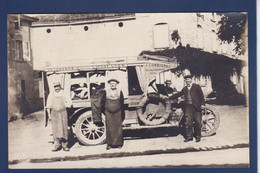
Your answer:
<point x="112" y="102"/>
<point x="56" y="107"/>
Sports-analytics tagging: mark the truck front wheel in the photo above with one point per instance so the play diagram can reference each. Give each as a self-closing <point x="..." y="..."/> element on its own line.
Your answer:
<point x="89" y="133"/>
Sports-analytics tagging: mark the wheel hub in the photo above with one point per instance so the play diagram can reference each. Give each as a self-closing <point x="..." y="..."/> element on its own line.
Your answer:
<point x="92" y="127"/>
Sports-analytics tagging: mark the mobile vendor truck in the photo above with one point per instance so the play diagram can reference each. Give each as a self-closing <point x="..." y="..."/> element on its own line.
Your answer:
<point x="140" y="79"/>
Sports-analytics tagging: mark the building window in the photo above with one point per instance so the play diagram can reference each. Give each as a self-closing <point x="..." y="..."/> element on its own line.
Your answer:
<point x="200" y="17"/>
<point x="18" y="50"/>
<point x="161" y="35"/>
<point x="213" y="19"/>
<point x="16" y="26"/>
<point x="224" y="48"/>
<point x="214" y="40"/>
<point x="13" y="49"/>
<point x="200" y="37"/>
<point x="85" y="28"/>
<point x="120" y="24"/>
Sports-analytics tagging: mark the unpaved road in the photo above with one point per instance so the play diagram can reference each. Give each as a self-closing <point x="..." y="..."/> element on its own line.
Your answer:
<point x="29" y="139"/>
<point x="213" y="159"/>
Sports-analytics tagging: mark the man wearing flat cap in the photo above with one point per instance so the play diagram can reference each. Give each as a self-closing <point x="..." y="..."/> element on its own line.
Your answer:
<point x="56" y="108"/>
<point x="193" y="105"/>
<point x="112" y="103"/>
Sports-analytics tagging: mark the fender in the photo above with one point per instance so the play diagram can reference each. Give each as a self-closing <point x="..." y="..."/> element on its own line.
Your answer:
<point x="76" y="113"/>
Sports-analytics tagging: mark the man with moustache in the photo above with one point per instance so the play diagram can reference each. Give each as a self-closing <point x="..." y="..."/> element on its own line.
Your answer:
<point x="193" y="104"/>
<point x="112" y="103"/>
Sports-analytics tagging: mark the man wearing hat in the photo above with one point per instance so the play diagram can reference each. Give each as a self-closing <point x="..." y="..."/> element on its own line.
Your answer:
<point x="112" y="102"/>
<point x="193" y="105"/>
<point x="170" y="91"/>
<point x="56" y="108"/>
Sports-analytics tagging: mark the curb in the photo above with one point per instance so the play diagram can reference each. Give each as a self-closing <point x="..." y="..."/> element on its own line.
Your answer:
<point x="128" y="154"/>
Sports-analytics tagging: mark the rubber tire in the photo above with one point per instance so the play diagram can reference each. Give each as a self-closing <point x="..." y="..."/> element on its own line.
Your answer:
<point x="157" y="122"/>
<point x="81" y="137"/>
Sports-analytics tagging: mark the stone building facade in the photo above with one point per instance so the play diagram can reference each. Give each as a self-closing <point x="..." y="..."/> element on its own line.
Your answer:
<point x="82" y="38"/>
<point x="21" y="92"/>
<point x="79" y="38"/>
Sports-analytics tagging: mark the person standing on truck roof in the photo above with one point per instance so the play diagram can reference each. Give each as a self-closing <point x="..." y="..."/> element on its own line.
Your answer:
<point x="193" y="104"/>
<point x="112" y="102"/>
<point x="56" y="108"/>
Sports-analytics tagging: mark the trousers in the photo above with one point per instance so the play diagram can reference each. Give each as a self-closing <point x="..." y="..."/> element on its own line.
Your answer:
<point x="60" y="142"/>
<point x="193" y="122"/>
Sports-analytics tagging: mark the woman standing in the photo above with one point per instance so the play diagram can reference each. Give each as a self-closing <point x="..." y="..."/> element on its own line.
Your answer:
<point x="113" y="101"/>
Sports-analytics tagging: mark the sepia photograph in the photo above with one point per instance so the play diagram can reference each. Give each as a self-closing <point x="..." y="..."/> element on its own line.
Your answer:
<point x="128" y="90"/>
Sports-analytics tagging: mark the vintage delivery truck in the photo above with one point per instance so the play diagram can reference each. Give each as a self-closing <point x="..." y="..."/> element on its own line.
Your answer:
<point x="140" y="79"/>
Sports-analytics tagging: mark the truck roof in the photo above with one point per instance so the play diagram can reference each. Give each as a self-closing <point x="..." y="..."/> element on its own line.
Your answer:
<point x="115" y="63"/>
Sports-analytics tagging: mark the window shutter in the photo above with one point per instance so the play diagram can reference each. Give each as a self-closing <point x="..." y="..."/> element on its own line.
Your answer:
<point x="26" y="51"/>
<point x="13" y="49"/>
<point x="161" y="35"/>
<point x="214" y="41"/>
<point x="224" y="48"/>
<point x="200" y="37"/>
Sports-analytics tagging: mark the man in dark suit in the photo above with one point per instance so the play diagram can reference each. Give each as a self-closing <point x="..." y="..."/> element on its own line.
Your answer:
<point x="193" y="104"/>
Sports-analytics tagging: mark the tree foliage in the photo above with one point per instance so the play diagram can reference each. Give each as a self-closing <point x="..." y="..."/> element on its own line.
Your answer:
<point x="231" y="28"/>
<point x="175" y="36"/>
<point x="201" y="63"/>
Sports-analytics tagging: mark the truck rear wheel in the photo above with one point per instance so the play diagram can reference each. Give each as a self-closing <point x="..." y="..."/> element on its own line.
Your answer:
<point x="89" y="133"/>
<point x="210" y="121"/>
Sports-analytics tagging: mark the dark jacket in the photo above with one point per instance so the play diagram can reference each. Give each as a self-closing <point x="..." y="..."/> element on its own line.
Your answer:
<point x="196" y="96"/>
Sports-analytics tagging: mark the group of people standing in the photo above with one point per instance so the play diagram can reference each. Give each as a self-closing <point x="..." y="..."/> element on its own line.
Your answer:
<point x="110" y="103"/>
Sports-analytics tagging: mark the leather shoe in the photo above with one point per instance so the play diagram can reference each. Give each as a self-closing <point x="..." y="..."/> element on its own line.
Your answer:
<point x="197" y="139"/>
<point x="108" y="147"/>
<point x="66" y="148"/>
<point x="187" y="140"/>
<point x="56" y="148"/>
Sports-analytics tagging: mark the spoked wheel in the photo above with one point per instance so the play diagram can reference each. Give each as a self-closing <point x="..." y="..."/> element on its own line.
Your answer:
<point x="89" y="133"/>
<point x="210" y="121"/>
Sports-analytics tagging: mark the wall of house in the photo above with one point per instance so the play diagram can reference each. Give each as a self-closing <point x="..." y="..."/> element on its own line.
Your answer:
<point x="72" y="44"/>
<point x="21" y="97"/>
<point x="103" y="40"/>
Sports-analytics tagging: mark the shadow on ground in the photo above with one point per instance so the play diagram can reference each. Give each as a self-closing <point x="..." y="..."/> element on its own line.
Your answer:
<point x="152" y="133"/>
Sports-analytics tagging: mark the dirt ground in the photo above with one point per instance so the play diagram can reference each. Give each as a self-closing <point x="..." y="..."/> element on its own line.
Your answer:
<point x="28" y="138"/>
